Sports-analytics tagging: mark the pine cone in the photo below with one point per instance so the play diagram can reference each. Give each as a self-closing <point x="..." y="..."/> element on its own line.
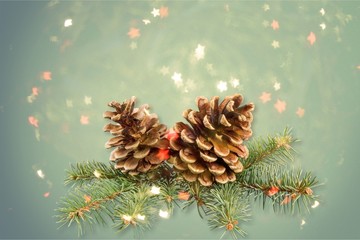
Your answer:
<point x="209" y="148"/>
<point x="140" y="143"/>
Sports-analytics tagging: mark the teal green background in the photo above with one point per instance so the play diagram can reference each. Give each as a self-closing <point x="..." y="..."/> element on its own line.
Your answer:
<point x="104" y="63"/>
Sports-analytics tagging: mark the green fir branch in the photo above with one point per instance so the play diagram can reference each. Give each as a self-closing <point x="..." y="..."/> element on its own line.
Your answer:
<point x="288" y="190"/>
<point x="86" y="172"/>
<point x="138" y="209"/>
<point x="91" y="203"/>
<point x="274" y="150"/>
<point x="226" y="206"/>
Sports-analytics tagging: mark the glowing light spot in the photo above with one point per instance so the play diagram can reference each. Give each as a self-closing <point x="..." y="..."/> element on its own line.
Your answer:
<point x="146" y="21"/>
<point x="311" y="38"/>
<point x="31" y="98"/>
<point x="68" y="22"/>
<point x="234" y="82"/>
<point x="266" y="7"/>
<point x="176" y="77"/>
<point x="275" y="44"/>
<point x="302" y="222"/>
<point x="46" y="75"/>
<point x="300" y="112"/>
<point x="265" y="97"/>
<point x="275" y="24"/>
<point x="87" y="100"/>
<point x="163" y="214"/>
<point x="322" y="11"/>
<point x="140" y="217"/>
<point x="280" y="106"/>
<point x="40" y="174"/>
<point x="134" y="33"/>
<point x="84" y="120"/>
<point x="155" y="190"/>
<point x="33" y="121"/>
<point x="35" y="91"/>
<point x="69" y="103"/>
<point x="47" y="194"/>
<point x="164" y="12"/>
<point x="97" y="174"/>
<point x="199" y="52"/>
<point x="277" y="86"/>
<point x="133" y="45"/>
<point x="155" y="12"/>
<point x="126" y="218"/>
<point x="323" y="26"/>
<point x="315" y="205"/>
<point x="221" y="86"/>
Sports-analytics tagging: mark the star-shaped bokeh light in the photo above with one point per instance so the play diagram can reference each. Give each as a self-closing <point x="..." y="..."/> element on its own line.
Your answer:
<point x="280" y="106"/>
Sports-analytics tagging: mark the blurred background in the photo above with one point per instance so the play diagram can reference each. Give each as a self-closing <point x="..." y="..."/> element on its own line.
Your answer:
<point x="63" y="61"/>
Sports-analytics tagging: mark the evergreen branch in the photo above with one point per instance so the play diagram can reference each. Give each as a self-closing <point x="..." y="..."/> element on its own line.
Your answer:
<point x="196" y="192"/>
<point x="274" y="150"/>
<point x="86" y="172"/>
<point x="288" y="190"/>
<point x="225" y="207"/>
<point x="138" y="209"/>
<point x="169" y="189"/>
<point x="91" y="203"/>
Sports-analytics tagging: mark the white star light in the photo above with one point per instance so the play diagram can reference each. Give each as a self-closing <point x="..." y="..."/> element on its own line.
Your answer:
<point x="222" y="86"/>
<point x="277" y="86"/>
<point x="40" y="174"/>
<point x="275" y="44"/>
<point x="155" y="190"/>
<point x="177" y="79"/>
<point x="199" y="52"/>
<point x="323" y="26"/>
<point x="69" y="103"/>
<point x="234" y="82"/>
<point x="316" y="204"/>
<point x="163" y="214"/>
<point x="266" y="7"/>
<point x="140" y="217"/>
<point x="322" y="12"/>
<point x="68" y="22"/>
<point x="146" y="21"/>
<point x="155" y="12"/>
<point x="87" y="100"/>
<point x="97" y="174"/>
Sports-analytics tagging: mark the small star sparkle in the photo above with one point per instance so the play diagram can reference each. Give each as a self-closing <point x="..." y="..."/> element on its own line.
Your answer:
<point x="300" y="112"/>
<point x="177" y="79"/>
<point x="134" y="33"/>
<point x="199" y="52"/>
<point x="275" y="44"/>
<point x="164" y="12"/>
<point x="275" y="24"/>
<point x="311" y="38"/>
<point x="68" y="22"/>
<point x="84" y="120"/>
<point x="277" y="86"/>
<point x="87" y="100"/>
<point x="266" y="7"/>
<point x="265" y="97"/>
<point x="155" y="12"/>
<point x="280" y="106"/>
<point x="221" y="86"/>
